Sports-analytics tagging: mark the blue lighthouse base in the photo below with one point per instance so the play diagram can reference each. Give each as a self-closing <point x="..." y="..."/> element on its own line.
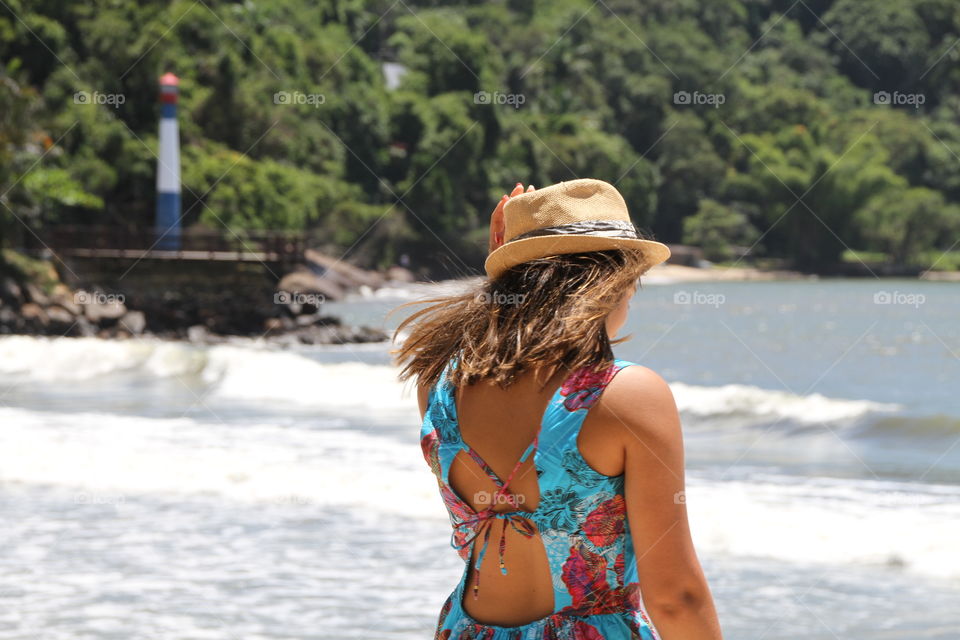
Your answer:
<point x="168" y="221"/>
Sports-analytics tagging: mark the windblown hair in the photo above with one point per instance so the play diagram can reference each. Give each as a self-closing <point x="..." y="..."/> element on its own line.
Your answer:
<point x="550" y="312"/>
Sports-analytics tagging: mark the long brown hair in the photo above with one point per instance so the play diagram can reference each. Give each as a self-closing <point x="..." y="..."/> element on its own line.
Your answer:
<point x="549" y="312"/>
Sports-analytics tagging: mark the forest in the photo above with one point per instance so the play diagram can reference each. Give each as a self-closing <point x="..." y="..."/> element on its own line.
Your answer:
<point x="808" y="134"/>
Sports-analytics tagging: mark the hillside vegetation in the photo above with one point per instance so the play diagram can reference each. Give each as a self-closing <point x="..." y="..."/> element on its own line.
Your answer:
<point x="806" y="131"/>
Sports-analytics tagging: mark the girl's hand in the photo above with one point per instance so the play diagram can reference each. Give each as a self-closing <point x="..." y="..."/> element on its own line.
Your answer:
<point x="497" y="224"/>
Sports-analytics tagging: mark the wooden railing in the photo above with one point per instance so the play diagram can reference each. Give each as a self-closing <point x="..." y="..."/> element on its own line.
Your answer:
<point x="103" y="241"/>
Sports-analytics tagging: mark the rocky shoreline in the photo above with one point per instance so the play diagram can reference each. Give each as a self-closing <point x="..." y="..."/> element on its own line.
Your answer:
<point x="220" y="307"/>
<point x="37" y="302"/>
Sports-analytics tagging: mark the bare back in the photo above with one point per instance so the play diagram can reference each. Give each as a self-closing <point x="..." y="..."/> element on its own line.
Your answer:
<point x="498" y="425"/>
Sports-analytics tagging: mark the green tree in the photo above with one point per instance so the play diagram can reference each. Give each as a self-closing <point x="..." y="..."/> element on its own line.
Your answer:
<point x="807" y="193"/>
<point x="716" y="229"/>
<point x="904" y="223"/>
<point x="31" y="193"/>
<point x="376" y="172"/>
<point x="883" y="44"/>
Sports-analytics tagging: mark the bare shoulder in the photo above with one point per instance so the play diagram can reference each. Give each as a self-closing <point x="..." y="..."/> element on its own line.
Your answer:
<point x="671" y="578"/>
<point x="423" y="393"/>
<point x="638" y="401"/>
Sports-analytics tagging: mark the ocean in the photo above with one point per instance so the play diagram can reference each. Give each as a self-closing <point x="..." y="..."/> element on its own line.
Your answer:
<point x="156" y="489"/>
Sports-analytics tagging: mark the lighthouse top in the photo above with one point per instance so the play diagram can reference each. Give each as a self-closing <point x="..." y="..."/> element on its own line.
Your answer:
<point x="169" y="88"/>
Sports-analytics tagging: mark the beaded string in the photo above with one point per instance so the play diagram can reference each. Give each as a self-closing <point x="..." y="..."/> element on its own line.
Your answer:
<point x="519" y="523"/>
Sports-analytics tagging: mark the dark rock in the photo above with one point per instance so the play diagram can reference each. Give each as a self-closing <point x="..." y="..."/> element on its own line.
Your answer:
<point x="83" y="328"/>
<point x="34" y="315"/>
<point x="273" y="324"/>
<point x="9" y="319"/>
<point x="333" y="276"/>
<point x="134" y="322"/>
<point x="317" y="320"/>
<point x="355" y="275"/>
<point x="400" y="274"/>
<point x="286" y="340"/>
<point x="64" y="297"/>
<point x="36" y="295"/>
<point x="309" y="337"/>
<point x="338" y="334"/>
<point x="101" y="308"/>
<point x="61" y="320"/>
<point x="369" y="334"/>
<point x="198" y="333"/>
<point x="10" y="291"/>
<point x="191" y="307"/>
<point x="315" y="289"/>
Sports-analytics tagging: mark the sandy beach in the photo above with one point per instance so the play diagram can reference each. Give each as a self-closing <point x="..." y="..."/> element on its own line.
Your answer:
<point x="670" y="273"/>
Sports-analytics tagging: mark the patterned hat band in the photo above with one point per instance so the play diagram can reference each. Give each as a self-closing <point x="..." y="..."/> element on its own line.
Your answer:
<point x="576" y="216"/>
<point x="601" y="228"/>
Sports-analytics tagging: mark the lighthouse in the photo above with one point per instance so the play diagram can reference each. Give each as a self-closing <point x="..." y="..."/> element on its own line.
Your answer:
<point x="168" y="168"/>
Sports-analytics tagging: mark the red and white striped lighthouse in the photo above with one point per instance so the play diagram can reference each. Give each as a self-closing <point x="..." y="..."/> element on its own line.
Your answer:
<point x="168" y="167"/>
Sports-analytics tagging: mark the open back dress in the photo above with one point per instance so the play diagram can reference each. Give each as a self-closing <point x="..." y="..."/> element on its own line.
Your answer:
<point x="580" y="518"/>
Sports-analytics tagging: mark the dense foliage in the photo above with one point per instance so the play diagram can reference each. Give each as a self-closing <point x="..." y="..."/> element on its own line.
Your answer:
<point x="799" y="131"/>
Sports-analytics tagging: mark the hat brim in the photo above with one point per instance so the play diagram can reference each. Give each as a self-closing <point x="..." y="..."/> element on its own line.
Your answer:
<point x="520" y="251"/>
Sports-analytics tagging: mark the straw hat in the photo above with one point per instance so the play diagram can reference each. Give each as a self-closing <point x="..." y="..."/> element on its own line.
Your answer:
<point x="568" y="217"/>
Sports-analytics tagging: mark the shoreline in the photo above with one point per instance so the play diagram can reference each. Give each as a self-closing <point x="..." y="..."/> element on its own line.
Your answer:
<point x="676" y="273"/>
<point x="44" y="306"/>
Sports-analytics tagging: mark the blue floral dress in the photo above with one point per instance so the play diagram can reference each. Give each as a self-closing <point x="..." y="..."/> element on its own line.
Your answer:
<point x="581" y="519"/>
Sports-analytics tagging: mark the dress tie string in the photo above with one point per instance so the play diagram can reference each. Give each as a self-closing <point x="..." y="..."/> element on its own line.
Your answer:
<point x="471" y="526"/>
